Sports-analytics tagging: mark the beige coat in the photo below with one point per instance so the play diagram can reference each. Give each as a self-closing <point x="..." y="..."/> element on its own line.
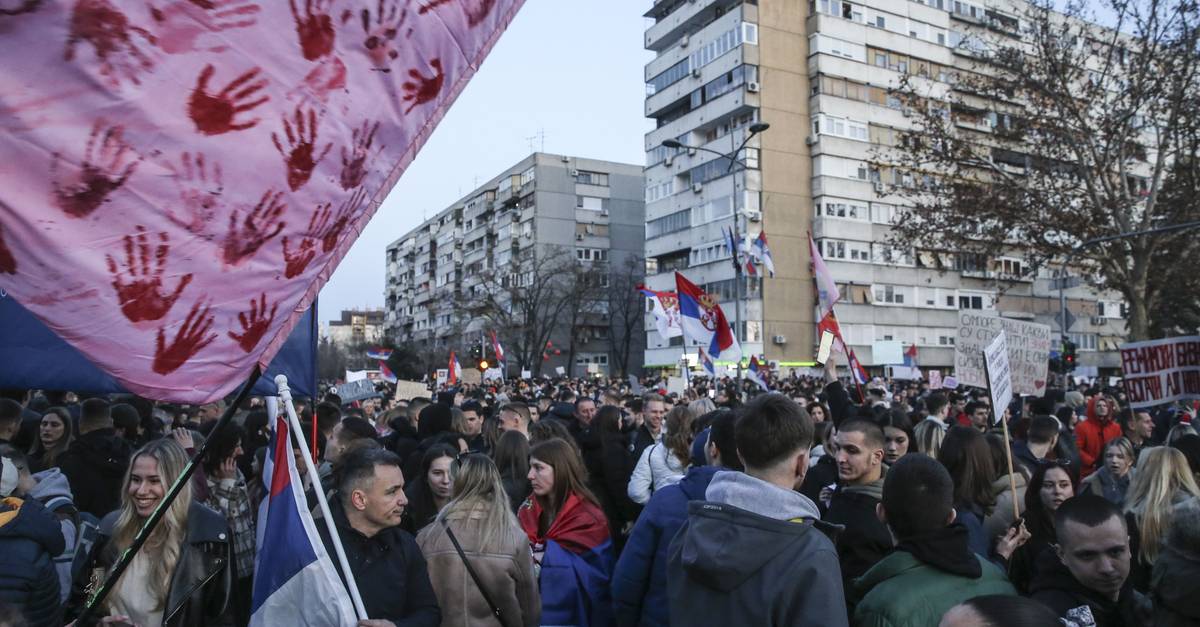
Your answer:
<point x="506" y="572"/>
<point x="996" y="523"/>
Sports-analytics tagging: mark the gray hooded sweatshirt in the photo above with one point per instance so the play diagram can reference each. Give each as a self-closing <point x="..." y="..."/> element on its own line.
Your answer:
<point x="751" y="555"/>
<point x="51" y="489"/>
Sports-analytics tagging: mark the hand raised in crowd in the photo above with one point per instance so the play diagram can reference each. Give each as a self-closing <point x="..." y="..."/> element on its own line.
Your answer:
<point x="227" y="469"/>
<point x="183" y="436"/>
<point x="1012" y="540"/>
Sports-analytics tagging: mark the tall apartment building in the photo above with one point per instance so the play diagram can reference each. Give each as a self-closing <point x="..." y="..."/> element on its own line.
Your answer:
<point x="355" y="327"/>
<point x="818" y="72"/>
<point x="547" y="202"/>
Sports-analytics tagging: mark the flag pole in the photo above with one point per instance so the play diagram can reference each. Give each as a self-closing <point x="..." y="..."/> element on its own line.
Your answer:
<point x="285" y="395"/>
<point x="148" y="527"/>
<point x="1012" y="480"/>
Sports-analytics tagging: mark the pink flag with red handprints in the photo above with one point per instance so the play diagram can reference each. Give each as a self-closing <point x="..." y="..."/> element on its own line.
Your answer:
<point x="178" y="178"/>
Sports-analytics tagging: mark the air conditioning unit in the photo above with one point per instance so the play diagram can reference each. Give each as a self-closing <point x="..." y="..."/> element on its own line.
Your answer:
<point x="753" y="215"/>
<point x="1099" y="321"/>
<point x="696" y="187"/>
<point x="691" y="152"/>
<point x="683" y="41"/>
<point x="566" y="159"/>
<point x="579" y="237"/>
<point x="696" y="73"/>
<point x="574" y="172"/>
<point x="669" y="160"/>
<point x="752" y="87"/>
<point x="810" y="140"/>
<point x="780" y="339"/>
<point x="604" y="212"/>
<point x="879" y="188"/>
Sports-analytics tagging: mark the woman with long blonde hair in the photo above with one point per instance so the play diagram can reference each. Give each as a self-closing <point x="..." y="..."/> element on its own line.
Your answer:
<point x="1163" y="480"/>
<point x="479" y="519"/>
<point x="183" y="574"/>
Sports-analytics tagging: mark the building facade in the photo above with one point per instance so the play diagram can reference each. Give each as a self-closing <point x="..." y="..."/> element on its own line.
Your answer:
<point x="585" y="209"/>
<point x="355" y="328"/>
<point x="819" y="72"/>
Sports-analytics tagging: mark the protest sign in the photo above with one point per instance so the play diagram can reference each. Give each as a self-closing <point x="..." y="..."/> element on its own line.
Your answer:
<point x="995" y="356"/>
<point x="950" y="383"/>
<point x="359" y="390"/>
<point x="470" y="376"/>
<point x="442" y="376"/>
<point x="408" y="390"/>
<point x="1028" y="351"/>
<point x="493" y="374"/>
<point x="526" y="374"/>
<point x="935" y="379"/>
<point x="1161" y="371"/>
<point x="887" y="352"/>
<point x="355" y="375"/>
<point x="562" y="372"/>
<point x="676" y="385"/>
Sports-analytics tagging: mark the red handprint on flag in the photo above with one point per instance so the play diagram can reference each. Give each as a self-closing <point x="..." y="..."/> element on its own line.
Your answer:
<point x="139" y="288"/>
<point x="254" y="323"/>
<point x="315" y="28"/>
<point x="103" y="170"/>
<point x="354" y="159"/>
<point x="330" y="234"/>
<point x="179" y="25"/>
<point x="213" y="114"/>
<point x="295" y="261"/>
<point x="423" y="89"/>
<point x="114" y="39"/>
<point x="475" y="10"/>
<point x="261" y="224"/>
<point x="8" y="263"/>
<point x="191" y="338"/>
<point x="200" y="188"/>
<point x="381" y="33"/>
<point x="301" y="141"/>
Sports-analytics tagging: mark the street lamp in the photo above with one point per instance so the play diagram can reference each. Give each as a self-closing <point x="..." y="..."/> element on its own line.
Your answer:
<point x="731" y="157"/>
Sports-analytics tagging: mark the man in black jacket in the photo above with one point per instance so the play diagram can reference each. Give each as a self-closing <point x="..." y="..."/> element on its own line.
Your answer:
<point x="96" y="461"/>
<point x="30" y="537"/>
<point x="1087" y="582"/>
<point x="388" y="567"/>
<point x="861" y="473"/>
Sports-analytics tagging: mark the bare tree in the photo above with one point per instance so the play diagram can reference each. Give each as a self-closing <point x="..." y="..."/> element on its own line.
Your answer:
<point x="1060" y="133"/>
<point x="626" y="311"/>
<point x="527" y="300"/>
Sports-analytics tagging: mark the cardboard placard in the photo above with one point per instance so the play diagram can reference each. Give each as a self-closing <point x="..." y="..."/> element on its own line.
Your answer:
<point x="562" y="372"/>
<point x="408" y="390"/>
<point x="1161" y="371"/>
<point x="1028" y="351"/>
<point x="995" y="355"/>
<point x="359" y="390"/>
<point x="676" y="384"/>
<point x="471" y="376"/>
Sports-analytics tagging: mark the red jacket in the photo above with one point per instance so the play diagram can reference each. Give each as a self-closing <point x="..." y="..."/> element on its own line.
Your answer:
<point x="1091" y="435"/>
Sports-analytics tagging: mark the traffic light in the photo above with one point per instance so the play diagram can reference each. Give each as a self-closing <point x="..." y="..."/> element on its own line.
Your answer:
<point x="1068" y="356"/>
<point x="483" y="364"/>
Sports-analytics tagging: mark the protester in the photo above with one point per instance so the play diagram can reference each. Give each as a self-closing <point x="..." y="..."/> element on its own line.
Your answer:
<point x="430" y="490"/>
<point x="387" y="565"/>
<point x="1092" y="434"/>
<point x="515" y="417"/>
<point x="30" y="537"/>
<point x="184" y="573"/>
<point x="55" y="434"/>
<point x="818" y="411"/>
<point x="978" y="416"/>
<point x="615" y="469"/>
<point x="933" y="553"/>
<point x="343" y="436"/>
<point x="649" y="432"/>
<point x="10" y="419"/>
<point x="1175" y="584"/>
<point x="897" y="435"/>
<point x="228" y="494"/>
<point x="664" y="462"/>
<point x="569" y="537"/>
<point x="1190" y="447"/>
<point x="861" y="473"/>
<point x="928" y="436"/>
<point x="1050" y="486"/>
<point x="1040" y="440"/>
<point x="1138" y="427"/>
<point x="967" y="457"/>
<point x="999" y="610"/>
<point x="1111" y="480"/>
<point x="1163" y="481"/>
<point x="751" y="553"/>
<point x="487" y="536"/>
<point x="639" y="584"/>
<point x="471" y="427"/>
<point x="511" y="455"/>
<point x="1001" y="517"/>
<point x="96" y="461"/>
<point x="1088" y="583"/>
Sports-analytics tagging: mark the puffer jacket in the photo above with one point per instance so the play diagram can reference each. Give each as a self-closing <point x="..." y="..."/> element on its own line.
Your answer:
<point x="506" y="572"/>
<point x="1090" y="437"/>
<point x="889" y="600"/>
<point x="29" y="538"/>
<point x="655" y="470"/>
<point x="1104" y="484"/>
<point x="202" y="584"/>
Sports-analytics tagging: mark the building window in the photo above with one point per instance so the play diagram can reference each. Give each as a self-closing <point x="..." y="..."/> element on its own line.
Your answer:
<point x="670" y="223"/>
<point x="591" y="203"/>
<point x="591" y="178"/>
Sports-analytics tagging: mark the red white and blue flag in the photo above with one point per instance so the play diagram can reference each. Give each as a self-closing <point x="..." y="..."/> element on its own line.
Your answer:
<point x="453" y="370"/>
<point x="295" y="582"/>
<point x="856" y="369"/>
<point x="499" y="350"/>
<point x="827" y="289"/>
<point x="379" y="353"/>
<point x="757" y="372"/>
<point x="704" y="322"/>
<point x="665" y="307"/>
<point x="707" y="362"/>
<point x="910" y="357"/>
<point x="763" y="253"/>
<point x="386" y="373"/>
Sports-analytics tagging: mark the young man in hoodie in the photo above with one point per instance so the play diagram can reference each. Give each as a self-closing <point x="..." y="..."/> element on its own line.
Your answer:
<point x="96" y="461"/>
<point x="1087" y="582"/>
<point x="861" y="472"/>
<point x="932" y="553"/>
<point x="639" y="582"/>
<point x="751" y="553"/>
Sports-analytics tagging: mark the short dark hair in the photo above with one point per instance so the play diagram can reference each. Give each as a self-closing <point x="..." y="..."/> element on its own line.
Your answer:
<point x="972" y="406"/>
<point x="1088" y="510"/>
<point x="936" y="402"/>
<point x="359" y="466"/>
<point x="328" y="415"/>
<point x="1042" y="430"/>
<point x="95" y="412"/>
<point x="584" y="399"/>
<point x="771" y="427"/>
<point x="872" y="432"/>
<point x="1002" y="610"/>
<point x="355" y="428"/>
<point x="918" y="495"/>
<point x="472" y="405"/>
<point x="723" y="434"/>
<point x="10" y="413"/>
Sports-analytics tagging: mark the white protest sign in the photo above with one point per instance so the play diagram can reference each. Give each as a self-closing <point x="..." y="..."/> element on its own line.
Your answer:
<point x="408" y="390"/>
<point x="355" y="375"/>
<point x="1161" y="371"/>
<point x="470" y="376"/>
<point x="676" y="384"/>
<point x="525" y="374"/>
<point x="1028" y="351"/>
<point x="443" y="375"/>
<point x="493" y="374"/>
<point x="560" y="370"/>
<point x="887" y="352"/>
<point x="935" y="379"/>
<point x="999" y="374"/>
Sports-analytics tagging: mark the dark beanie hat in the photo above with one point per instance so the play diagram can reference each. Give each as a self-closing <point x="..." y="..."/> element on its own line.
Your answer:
<point x="432" y="420"/>
<point x="1189" y="445"/>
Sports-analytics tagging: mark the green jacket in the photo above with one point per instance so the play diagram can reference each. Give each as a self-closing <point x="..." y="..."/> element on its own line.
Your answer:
<point x="901" y="591"/>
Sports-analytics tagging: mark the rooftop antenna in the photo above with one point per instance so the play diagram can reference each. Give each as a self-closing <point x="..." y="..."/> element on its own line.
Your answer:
<point x="540" y="137"/>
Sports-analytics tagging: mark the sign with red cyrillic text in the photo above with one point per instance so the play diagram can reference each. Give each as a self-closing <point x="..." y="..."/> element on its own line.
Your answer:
<point x="1161" y="371"/>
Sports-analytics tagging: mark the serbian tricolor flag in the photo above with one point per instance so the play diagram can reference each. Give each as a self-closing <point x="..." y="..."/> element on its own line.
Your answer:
<point x="499" y="350"/>
<point x="856" y="369"/>
<point x="707" y="362"/>
<point x="757" y="372"/>
<point x="386" y="373"/>
<point x="704" y="323"/>
<point x="731" y="244"/>
<point x="453" y="369"/>
<point x="665" y="306"/>
<point x="577" y="565"/>
<point x="827" y="289"/>
<point x="379" y="353"/>
<point x="763" y="253"/>
<point x="295" y="581"/>
<point x="910" y="356"/>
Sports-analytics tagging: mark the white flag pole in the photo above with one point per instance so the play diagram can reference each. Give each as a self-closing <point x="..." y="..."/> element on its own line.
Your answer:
<point x="285" y="395"/>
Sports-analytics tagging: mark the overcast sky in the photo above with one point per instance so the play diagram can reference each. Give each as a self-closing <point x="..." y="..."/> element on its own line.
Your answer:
<point x="569" y="68"/>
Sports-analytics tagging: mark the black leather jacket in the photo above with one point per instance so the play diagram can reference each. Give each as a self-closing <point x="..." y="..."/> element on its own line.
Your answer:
<point x="202" y="584"/>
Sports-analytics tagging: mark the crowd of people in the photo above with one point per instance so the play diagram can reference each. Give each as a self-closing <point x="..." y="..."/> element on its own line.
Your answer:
<point x="605" y="502"/>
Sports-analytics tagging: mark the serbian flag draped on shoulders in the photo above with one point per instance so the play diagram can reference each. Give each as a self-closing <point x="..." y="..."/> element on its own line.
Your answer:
<point x="295" y="581"/>
<point x="577" y="563"/>
<point x="704" y="322"/>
